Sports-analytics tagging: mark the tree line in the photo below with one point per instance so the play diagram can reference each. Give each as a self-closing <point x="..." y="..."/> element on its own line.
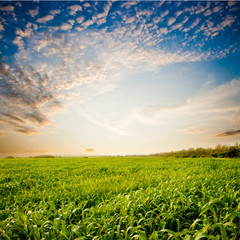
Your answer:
<point x="220" y="151"/>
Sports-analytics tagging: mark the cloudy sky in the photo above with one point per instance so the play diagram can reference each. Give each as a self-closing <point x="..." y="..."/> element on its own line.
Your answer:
<point x="118" y="77"/>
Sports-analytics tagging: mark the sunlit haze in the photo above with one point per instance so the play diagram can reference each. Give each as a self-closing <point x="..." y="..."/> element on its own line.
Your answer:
<point x="118" y="77"/>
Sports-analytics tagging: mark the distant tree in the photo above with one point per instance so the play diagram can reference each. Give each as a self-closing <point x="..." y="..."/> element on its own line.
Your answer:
<point x="44" y="156"/>
<point x="220" y="151"/>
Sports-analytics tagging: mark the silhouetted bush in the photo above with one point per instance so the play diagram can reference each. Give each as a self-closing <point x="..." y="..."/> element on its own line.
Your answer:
<point x="10" y="157"/>
<point x="44" y="156"/>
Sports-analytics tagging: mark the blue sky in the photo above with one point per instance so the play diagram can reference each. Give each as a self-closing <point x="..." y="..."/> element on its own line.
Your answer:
<point x="118" y="77"/>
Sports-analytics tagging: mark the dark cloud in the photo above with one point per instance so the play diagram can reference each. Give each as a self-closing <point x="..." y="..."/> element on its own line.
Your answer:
<point x="12" y="117"/>
<point x="227" y="133"/>
<point x="37" y="117"/>
<point x="24" y="98"/>
<point x="26" y="130"/>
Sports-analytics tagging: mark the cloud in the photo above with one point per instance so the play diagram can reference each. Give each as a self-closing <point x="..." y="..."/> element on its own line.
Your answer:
<point x="228" y="21"/>
<point x="34" y="12"/>
<point x="195" y="23"/>
<point x="12" y="117"/>
<point x="26" y="130"/>
<point x="4" y="67"/>
<point x="66" y="26"/>
<point x="90" y="149"/>
<point x="130" y="20"/>
<point x="179" y="13"/>
<point x="87" y="23"/>
<point x="177" y="26"/>
<point x="194" y="130"/>
<point x="98" y="18"/>
<point x="74" y="59"/>
<point x="36" y="117"/>
<point x="19" y="42"/>
<point x="190" y="9"/>
<point x="129" y="4"/>
<point x="101" y="21"/>
<point x="156" y="20"/>
<point x="1" y="27"/>
<point x="55" y="105"/>
<point x="55" y="12"/>
<point x="231" y="3"/>
<point x="171" y="21"/>
<point x="217" y="9"/>
<point x="8" y="8"/>
<point x="74" y="9"/>
<point x="208" y="12"/>
<point x="104" y="14"/>
<point x="164" y="14"/>
<point x="212" y="31"/>
<point x="24" y="97"/>
<point x="230" y="133"/>
<point x="201" y="8"/>
<point x="221" y="103"/>
<point x="26" y="33"/>
<point x="144" y="14"/>
<point x="86" y="5"/>
<point x="163" y="30"/>
<point x="97" y="54"/>
<point x="101" y="120"/>
<point x="80" y="19"/>
<point x="45" y="19"/>
<point x="71" y="21"/>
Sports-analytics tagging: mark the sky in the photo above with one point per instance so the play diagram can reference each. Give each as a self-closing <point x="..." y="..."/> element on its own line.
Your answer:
<point x="118" y="77"/>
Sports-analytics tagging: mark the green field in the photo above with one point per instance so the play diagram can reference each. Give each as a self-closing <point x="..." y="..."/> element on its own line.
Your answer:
<point x="120" y="198"/>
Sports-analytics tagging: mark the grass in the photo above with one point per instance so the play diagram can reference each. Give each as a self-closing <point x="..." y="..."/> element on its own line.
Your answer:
<point x="120" y="198"/>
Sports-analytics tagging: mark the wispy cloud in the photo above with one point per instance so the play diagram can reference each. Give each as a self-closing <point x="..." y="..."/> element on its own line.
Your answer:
<point x="230" y="133"/>
<point x="194" y="130"/>
<point x="220" y="103"/>
<point x="26" y="130"/>
<point x="106" y="122"/>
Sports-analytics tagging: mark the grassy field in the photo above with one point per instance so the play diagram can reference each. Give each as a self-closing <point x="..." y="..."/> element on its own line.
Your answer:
<point x="120" y="198"/>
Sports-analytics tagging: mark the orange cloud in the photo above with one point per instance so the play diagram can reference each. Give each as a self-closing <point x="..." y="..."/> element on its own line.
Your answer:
<point x="90" y="150"/>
